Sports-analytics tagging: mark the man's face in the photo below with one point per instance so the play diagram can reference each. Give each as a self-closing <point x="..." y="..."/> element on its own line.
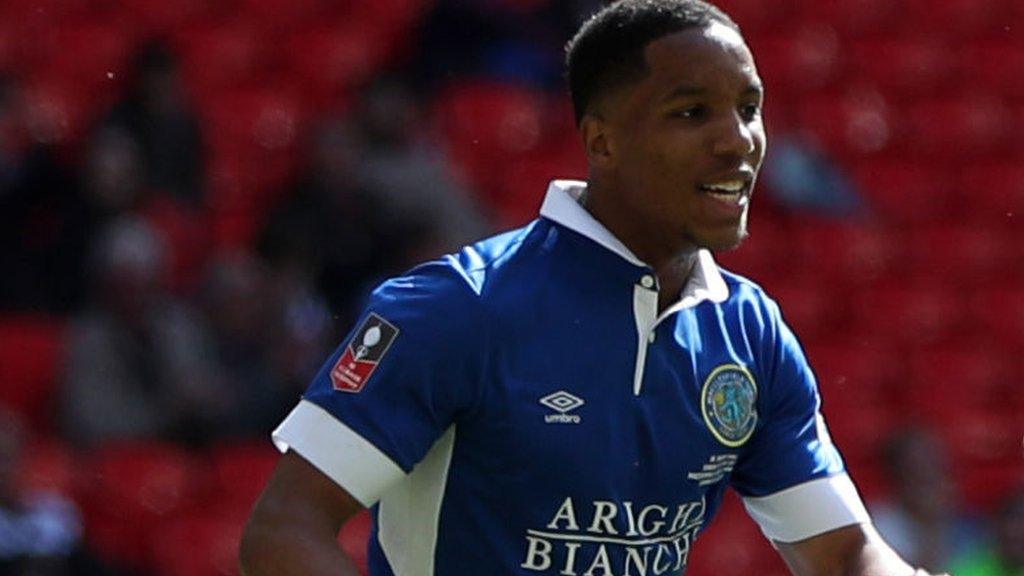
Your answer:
<point x="688" y="139"/>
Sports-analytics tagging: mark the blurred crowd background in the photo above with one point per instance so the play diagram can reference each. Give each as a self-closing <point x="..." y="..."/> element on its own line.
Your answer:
<point x="197" y="195"/>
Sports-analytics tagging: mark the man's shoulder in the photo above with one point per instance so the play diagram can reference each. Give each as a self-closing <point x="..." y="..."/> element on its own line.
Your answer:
<point x="743" y="290"/>
<point x="462" y="279"/>
<point x="750" y="303"/>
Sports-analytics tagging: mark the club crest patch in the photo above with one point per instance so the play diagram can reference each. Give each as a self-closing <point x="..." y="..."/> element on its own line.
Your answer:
<point x="363" y="354"/>
<point x="728" y="402"/>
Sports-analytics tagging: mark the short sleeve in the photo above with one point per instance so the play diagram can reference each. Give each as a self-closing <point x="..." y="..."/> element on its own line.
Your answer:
<point x="792" y="478"/>
<point x="398" y="381"/>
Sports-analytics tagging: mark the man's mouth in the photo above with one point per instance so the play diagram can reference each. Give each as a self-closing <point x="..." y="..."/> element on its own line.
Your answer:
<point x="735" y="192"/>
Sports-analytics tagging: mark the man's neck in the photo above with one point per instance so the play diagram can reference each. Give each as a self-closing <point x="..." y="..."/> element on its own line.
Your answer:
<point x="672" y="260"/>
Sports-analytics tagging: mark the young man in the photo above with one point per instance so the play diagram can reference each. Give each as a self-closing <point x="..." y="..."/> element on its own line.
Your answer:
<point x="574" y="397"/>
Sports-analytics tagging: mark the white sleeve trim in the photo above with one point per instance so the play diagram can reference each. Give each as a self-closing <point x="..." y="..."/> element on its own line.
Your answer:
<point x="338" y="451"/>
<point x="808" y="509"/>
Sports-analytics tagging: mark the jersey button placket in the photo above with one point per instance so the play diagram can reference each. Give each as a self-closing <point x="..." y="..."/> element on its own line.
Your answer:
<point x="645" y="309"/>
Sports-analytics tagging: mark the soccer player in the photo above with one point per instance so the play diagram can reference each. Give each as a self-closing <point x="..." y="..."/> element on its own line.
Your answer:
<point x="573" y="398"/>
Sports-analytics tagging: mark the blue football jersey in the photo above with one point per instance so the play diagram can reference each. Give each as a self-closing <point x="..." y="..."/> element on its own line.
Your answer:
<point x="522" y="407"/>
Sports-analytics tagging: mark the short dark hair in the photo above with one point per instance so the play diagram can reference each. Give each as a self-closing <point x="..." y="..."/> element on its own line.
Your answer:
<point x="608" y="50"/>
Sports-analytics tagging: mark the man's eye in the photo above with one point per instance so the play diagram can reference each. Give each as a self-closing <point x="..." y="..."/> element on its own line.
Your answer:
<point x="750" y="111"/>
<point x="691" y="112"/>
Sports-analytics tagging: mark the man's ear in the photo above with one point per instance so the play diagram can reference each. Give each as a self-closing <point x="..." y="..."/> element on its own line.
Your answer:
<point x="597" y="140"/>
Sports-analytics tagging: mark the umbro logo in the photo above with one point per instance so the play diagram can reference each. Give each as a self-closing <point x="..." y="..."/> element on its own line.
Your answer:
<point x="563" y="403"/>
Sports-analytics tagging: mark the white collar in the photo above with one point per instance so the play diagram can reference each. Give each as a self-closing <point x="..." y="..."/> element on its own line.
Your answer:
<point x="561" y="204"/>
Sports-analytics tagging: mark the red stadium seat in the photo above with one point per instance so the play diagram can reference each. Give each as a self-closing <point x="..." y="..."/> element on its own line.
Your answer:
<point x="857" y="372"/>
<point x="959" y="127"/>
<point x="904" y="191"/>
<point x="807" y="58"/>
<point x="992" y="191"/>
<point x="196" y="545"/>
<point x="57" y="10"/>
<point x="992" y="64"/>
<point x="186" y="232"/>
<point x="235" y="228"/>
<point x="858" y="383"/>
<point x="354" y="539"/>
<point x="961" y="254"/>
<point x="846" y="252"/>
<point x="56" y="112"/>
<point x="950" y="379"/>
<point x="239" y="473"/>
<point x="765" y="257"/>
<point x="854" y="18"/>
<point x="752" y="16"/>
<point x="733" y="546"/>
<point x="872" y="481"/>
<point x="157" y="17"/>
<point x="10" y="34"/>
<point x="31" y="359"/>
<point x="811" y="312"/>
<point x="395" y="17"/>
<point x="856" y="122"/>
<point x="256" y="130"/>
<point x="130" y="490"/>
<point x="999" y="312"/>
<point x="987" y="487"/>
<point x="488" y="125"/>
<point x="333" y="60"/>
<point x="276" y="16"/>
<point x="526" y="181"/>
<point x="221" y="57"/>
<point x="980" y="437"/>
<point x="903" y="67"/>
<point x="254" y="119"/>
<point x="959" y="19"/>
<point x="48" y="465"/>
<point x="910" y="312"/>
<point x="93" y="57"/>
<point x="233" y="192"/>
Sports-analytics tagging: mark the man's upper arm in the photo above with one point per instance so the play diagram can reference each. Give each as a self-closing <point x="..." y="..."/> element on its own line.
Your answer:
<point x="852" y="550"/>
<point x="297" y="489"/>
<point x="294" y="526"/>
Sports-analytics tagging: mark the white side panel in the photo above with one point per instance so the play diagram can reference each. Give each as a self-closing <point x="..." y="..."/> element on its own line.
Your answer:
<point x="410" y="512"/>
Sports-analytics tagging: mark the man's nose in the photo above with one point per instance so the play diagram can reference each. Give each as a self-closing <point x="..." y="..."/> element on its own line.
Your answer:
<point x="734" y="137"/>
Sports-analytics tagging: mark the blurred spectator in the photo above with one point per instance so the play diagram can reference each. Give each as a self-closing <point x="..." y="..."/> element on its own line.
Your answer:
<point x="924" y="522"/>
<point x="409" y="174"/>
<point x="244" y="312"/>
<point x="328" y="231"/>
<point x="802" y="177"/>
<point x="43" y="220"/>
<point x="139" y="364"/>
<point x="304" y="333"/>
<point x="50" y="219"/>
<point x="113" y="175"/>
<point x="373" y="201"/>
<point x="1005" y="557"/>
<point x="40" y="533"/>
<point x="157" y="114"/>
